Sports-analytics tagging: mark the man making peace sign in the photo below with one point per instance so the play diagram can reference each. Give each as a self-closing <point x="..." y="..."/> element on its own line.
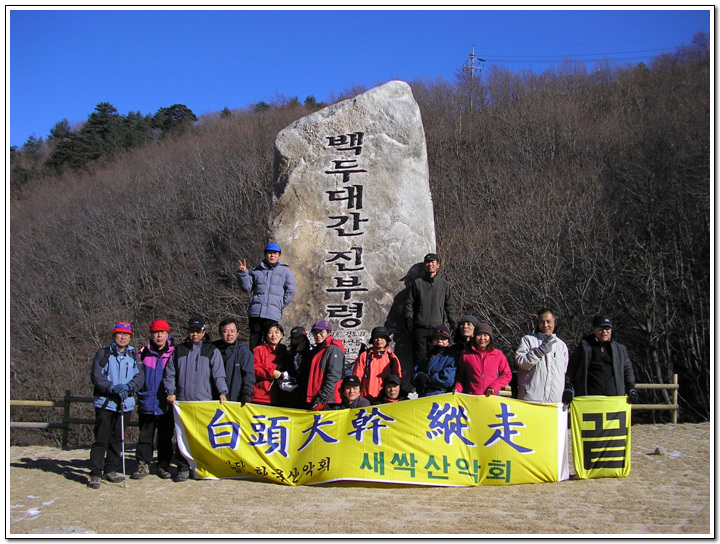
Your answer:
<point x="272" y="285"/>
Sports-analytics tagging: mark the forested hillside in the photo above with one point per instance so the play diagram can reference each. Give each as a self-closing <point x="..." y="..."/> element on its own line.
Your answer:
<point x="582" y="190"/>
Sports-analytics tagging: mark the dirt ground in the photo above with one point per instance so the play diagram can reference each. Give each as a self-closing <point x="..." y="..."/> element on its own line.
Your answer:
<point x="668" y="492"/>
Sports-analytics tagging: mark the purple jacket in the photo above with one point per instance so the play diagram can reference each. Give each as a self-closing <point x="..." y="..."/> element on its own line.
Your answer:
<point x="152" y="396"/>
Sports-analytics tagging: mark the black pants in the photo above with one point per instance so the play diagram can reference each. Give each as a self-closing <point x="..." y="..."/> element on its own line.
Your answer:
<point x="422" y="342"/>
<point x="257" y="327"/>
<point x="165" y="426"/>
<point x="107" y="448"/>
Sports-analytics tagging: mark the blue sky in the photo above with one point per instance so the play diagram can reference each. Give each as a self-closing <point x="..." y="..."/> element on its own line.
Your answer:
<point x="64" y="62"/>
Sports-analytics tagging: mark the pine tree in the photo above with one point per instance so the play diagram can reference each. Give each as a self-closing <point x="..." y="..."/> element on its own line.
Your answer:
<point x="175" y="119"/>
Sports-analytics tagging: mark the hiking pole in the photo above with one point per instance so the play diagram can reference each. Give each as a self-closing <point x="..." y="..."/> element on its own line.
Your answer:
<point x="122" y="440"/>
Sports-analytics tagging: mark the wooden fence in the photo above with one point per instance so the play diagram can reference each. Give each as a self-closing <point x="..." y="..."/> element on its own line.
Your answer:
<point x="674" y="387"/>
<point x="66" y="419"/>
<point x="69" y="399"/>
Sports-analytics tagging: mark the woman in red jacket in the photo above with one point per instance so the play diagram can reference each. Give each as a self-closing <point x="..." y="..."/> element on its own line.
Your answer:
<point x="268" y="357"/>
<point x="482" y="369"/>
<point x="376" y="364"/>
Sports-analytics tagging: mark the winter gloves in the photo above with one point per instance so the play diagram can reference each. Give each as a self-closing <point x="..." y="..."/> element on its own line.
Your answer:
<point x="422" y="381"/>
<point x="318" y="403"/>
<point x="547" y="345"/>
<point x="123" y="390"/>
<point x="634" y="396"/>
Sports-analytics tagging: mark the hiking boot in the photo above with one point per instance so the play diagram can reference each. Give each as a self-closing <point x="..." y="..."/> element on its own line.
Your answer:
<point x="163" y="471"/>
<point x="114" y="477"/>
<point x="182" y="476"/>
<point x="94" y="482"/>
<point x="142" y="471"/>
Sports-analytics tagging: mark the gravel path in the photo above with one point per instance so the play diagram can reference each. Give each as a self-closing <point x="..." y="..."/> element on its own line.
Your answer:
<point x="668" y="492"/>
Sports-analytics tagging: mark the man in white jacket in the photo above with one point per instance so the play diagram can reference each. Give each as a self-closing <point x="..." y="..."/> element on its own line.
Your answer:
<point x="542" y="359"/>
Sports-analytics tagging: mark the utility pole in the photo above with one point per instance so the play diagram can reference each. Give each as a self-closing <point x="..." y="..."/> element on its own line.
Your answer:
<point x="471" y="63"/>
<point x="471" y="68"/>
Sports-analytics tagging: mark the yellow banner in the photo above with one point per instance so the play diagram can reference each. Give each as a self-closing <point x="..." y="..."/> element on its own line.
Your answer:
<point x="449" y="440"/>
<point x="601" y="437"/>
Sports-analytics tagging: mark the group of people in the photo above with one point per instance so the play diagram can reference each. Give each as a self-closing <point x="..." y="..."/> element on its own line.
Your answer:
<point x="546" y="371"/>
<point x="312" y="376"/>
<point x="197" y="369"/>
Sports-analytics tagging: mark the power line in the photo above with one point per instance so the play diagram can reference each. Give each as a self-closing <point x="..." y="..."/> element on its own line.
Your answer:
<point x="502" y="57"/>
<point x="560" y="61"/>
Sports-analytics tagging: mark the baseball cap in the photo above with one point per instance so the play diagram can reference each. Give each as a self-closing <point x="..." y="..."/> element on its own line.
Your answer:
<point x="273" y="247"/>
<point x="196" y="323"/>
<point x="442" y="331"/>
<point x="391" y="379"/>
<point x="601" y="321"/>
<point x="322" y="325"/>
<point x="350" y="381"/>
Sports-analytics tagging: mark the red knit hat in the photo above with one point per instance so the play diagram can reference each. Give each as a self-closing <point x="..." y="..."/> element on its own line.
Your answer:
<point x="122" y="327"/>
<point x="159" y="325"/>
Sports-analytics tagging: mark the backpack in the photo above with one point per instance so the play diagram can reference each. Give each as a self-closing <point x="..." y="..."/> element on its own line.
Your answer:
<point x="103" y="363"/>
<point x="107" y="353"/>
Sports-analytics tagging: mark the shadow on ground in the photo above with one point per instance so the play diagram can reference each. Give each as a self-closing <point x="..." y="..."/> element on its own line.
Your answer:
<point x="77" y="470"/>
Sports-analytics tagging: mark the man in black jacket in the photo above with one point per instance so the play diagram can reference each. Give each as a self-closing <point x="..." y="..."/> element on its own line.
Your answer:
<point x="429" y="303"/>
<point x="600" y="366"/>
<point x="239" y="362"/>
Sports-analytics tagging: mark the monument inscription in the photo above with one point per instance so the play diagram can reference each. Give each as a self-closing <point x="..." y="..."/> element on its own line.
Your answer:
<point x="352" y="210"/>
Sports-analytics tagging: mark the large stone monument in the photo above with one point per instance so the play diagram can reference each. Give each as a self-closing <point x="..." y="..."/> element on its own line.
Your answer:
<point x="353" y="212"/>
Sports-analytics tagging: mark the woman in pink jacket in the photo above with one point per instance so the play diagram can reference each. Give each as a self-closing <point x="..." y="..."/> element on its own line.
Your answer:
<point x="482" y="369"/>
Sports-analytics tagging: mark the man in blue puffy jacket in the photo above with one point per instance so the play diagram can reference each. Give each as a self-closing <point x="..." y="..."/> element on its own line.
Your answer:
<point x="116" y="374"/>
<point x="272" y="287"/>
